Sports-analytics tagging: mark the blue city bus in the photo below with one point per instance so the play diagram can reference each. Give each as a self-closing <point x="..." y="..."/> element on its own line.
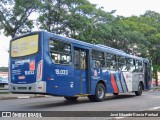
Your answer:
<point x="45" y="63"/>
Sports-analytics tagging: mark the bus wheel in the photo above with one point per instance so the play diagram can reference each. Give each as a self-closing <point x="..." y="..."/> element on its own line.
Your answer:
<point x="71" y="98"/>
<point x="139" y="92"/>
<point x="99" y="93"/>
<point x="115" y="93"/>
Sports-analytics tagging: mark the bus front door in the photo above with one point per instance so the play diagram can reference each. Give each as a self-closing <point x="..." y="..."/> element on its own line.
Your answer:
<point x="81" y="70"/>
<point x="147" y="75"/>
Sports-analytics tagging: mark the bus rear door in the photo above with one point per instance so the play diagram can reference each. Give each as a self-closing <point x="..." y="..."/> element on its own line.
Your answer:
<point x="81" y="70"/>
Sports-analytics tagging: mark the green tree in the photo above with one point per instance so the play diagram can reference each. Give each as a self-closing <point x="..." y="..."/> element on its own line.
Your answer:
<point x="123" y="37"/>
<point x="14" y="16"/>
<point x="148" y="24"/>
<point x="74" y="18"/>
<point x="4" y="69"/>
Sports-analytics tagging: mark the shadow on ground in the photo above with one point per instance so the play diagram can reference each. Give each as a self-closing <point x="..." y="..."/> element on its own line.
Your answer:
<point x="83" y="100"/>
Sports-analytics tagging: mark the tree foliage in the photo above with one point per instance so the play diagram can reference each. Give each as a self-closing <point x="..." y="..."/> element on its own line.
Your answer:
<point x="14" y="16"/>
<point x="73" y="18"/>
<point x="4" y="69"/>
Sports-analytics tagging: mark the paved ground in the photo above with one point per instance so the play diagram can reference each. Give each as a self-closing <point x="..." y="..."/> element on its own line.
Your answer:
<point x="5" y="95"/>
<point x="124" y="102"/>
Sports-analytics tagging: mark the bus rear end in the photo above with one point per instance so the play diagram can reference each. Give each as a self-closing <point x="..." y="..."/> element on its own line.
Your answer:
<point x="26" y="64"/>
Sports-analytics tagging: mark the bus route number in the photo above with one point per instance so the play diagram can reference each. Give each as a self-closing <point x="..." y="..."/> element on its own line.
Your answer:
<point x="61" y="72"/>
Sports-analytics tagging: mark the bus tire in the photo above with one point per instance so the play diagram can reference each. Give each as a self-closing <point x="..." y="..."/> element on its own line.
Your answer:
<point x="139" y="92"/>
<point x="71" y="98"/>
<point x="99" y="93"/>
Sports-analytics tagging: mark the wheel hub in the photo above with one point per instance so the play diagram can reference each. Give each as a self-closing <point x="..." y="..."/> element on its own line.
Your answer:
<point x="100" y="93"/>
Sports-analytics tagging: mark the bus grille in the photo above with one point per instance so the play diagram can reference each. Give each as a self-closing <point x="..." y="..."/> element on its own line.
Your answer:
<point x="22" y="88"/>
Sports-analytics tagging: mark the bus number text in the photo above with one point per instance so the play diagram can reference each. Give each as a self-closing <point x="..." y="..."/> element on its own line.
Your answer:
<point x="61" y="72"/>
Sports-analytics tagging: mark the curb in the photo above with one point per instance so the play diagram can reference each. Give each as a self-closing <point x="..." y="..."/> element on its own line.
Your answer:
<point x="155" y="89"/>
<point x="8" y="98"/>
<point x="21" y="97"/>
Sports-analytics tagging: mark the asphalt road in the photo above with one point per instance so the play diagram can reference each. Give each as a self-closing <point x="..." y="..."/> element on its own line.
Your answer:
<point x="124" y="102"/>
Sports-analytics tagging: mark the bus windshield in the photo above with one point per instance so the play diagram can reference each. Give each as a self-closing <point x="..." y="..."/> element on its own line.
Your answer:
<point x="24" y="46"/>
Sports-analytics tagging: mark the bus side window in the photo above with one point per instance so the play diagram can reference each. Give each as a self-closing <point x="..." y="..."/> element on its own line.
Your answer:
<point x="97" y="59"/>
<point x="60" y="52"/>
<point x="111" y="61"/>
<point x="121" y="61"/>
<point x="77" y="59"/>
<point x="130" y="65"/>
<point x="139" y="66"/>
<point x="83" y="60"/>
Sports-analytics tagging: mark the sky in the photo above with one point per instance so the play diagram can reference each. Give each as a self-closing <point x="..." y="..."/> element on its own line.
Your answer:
<point x="4" y="46"/>
<point x="123" y="8"/>
<point x="128" y="7"/>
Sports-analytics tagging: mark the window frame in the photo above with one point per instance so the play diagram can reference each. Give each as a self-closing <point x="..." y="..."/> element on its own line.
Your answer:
<point x="98" y="59"/>
<point x="80" y="51"/>
<point x="62" y="41"/>
<point x="138" y="66"/>
<point x="132" y="65"/>
<point x="119" y="63"/>
<point x="111" y="61"/>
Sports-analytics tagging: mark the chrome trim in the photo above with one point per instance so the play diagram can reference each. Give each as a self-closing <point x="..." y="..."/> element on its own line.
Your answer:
<point x="30" y="88"/>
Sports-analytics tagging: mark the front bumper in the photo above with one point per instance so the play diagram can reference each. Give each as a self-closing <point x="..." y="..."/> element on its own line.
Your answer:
<point x="37" y="87"/>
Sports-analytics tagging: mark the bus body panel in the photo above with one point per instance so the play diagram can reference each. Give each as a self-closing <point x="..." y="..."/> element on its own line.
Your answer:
<point x="109" y="83"/>
<point x="123" y="81"/>
<point x="23" y="70"/>
<point x="119" y="83"/>
<point x="96" y="76"/>
<point x="59" y="78"/>
<point x="132" y="80"/>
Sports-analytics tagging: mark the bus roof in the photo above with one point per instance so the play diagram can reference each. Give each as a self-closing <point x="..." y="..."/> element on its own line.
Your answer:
<point x="99" y="47"/>
<point x="96" y="46"/>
